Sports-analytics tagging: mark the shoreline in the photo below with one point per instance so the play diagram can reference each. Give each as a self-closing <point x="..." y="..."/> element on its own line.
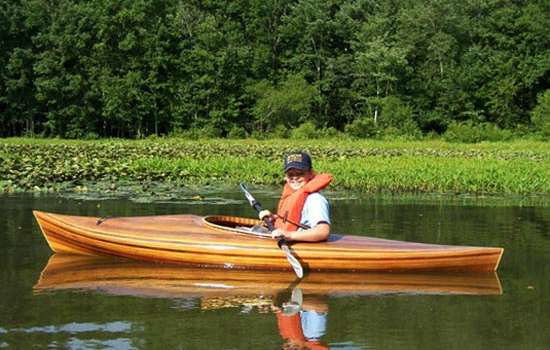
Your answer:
<point x="42" y="165"/>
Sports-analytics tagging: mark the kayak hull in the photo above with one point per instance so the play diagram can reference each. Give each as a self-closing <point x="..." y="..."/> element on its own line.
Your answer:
<point x="221" y="241"/>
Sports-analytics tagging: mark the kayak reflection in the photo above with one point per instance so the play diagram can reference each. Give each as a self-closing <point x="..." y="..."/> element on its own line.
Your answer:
<point x="301" y="306"/>
<point x="128" y="277"/>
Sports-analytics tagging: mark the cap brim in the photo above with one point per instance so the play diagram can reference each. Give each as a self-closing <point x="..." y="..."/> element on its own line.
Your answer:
<point x="296" y="166"/>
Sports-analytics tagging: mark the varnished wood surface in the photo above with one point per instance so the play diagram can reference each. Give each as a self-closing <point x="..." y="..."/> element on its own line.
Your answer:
<point x="188" y="239"/>
<point x="128" y="277"/>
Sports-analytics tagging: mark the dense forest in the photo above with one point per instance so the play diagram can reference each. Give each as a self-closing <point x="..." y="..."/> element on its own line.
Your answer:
<point x="233" y="68"/>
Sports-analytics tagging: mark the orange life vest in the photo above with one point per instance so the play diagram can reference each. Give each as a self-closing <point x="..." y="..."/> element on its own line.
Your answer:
<point x="290" y="327"/>
<point x="292" y="202"/>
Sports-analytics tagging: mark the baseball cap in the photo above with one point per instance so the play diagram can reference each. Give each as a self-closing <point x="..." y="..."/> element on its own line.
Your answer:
<point x="297" y="160"/>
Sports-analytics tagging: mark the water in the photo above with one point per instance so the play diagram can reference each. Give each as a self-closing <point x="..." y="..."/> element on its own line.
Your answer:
<point x="82" y="303"/>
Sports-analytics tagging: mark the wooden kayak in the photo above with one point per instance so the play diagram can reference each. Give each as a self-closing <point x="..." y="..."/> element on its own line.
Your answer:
<point x="137" y="278"/>
<point x="227" y="242"/>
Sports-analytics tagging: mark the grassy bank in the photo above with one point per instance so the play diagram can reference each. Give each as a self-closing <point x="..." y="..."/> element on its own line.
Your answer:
<point x="519" y="167"/>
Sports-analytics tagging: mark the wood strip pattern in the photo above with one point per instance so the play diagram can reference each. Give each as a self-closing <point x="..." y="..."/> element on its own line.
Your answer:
<point x="196" y="240"/>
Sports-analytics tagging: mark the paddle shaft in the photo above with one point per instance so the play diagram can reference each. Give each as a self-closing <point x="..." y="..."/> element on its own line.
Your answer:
<point x="285" y="219"/>
<point x="283" y="245"/>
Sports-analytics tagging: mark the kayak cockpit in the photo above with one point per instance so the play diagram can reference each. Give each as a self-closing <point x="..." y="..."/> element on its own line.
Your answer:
<point x="237" y="224"/>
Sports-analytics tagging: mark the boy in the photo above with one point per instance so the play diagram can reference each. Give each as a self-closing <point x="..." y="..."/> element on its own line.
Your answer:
<point x="301" y="203"/>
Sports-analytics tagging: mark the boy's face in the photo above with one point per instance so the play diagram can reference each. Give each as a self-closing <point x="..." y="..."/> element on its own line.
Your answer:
<point x="297" y="178"/>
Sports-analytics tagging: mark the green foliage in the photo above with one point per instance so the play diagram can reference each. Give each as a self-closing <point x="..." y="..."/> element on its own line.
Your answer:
<point x="463" y="132"/>
<point x="285" y="104"/>
<point x="395" y="112"/>
<point x="236" y="132"/>
<point x="493" y="133"/>
<point x="442" y="175"/>
<point x="280" y="132"/>
<point x="90" y="136"/>
<point x="331" y="132"/>
<point x="135" y="68"/>
<point x="306" y="131"/>
<point x="397" y="118"/>
<point x="469" y="132"/>
<point x="540" y="116"/>
<point x="362" y="128"/>
<point x="205" y="132"/>
<point x="435" y="166"/>
<point x="378" y="66"/>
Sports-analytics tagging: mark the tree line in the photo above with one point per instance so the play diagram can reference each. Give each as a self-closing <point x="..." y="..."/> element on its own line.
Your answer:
<point x="134" y="68"/>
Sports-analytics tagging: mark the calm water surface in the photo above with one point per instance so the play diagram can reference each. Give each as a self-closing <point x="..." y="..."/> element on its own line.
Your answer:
<point x="59" y="302"/>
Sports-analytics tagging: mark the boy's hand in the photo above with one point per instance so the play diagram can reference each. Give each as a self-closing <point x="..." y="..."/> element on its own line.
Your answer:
<point x="280" y="233"/>
<point x="265" y="214"/>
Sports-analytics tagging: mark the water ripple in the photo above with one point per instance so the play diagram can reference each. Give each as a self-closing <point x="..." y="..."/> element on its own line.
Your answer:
<point x="74" y="327"/>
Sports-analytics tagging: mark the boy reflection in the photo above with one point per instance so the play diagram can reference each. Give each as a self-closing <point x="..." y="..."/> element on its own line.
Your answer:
<point x="302" y="325"/>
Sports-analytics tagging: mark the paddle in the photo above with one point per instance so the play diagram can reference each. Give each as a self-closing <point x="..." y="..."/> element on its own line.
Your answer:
<point x="281" y="242"/>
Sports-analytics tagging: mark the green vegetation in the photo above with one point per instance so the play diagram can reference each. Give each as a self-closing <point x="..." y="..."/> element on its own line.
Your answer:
<point x="262" y="68"/>
<point x="520" y="167"/>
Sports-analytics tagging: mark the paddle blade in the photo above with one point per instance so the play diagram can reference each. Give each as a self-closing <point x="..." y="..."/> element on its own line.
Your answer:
<point x="296" y="266"/>
<point x="253" y="202"/>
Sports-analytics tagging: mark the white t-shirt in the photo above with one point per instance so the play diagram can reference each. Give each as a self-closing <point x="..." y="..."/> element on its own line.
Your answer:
<point x="316" y="209"/>
<point x="314" y="324"/>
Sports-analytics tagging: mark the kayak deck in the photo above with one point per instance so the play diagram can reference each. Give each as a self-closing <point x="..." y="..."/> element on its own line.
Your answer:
<point x="219" y="241"/>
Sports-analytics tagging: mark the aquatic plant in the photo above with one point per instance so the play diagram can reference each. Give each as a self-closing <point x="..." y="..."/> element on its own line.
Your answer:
<point x="392" y="166"/>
